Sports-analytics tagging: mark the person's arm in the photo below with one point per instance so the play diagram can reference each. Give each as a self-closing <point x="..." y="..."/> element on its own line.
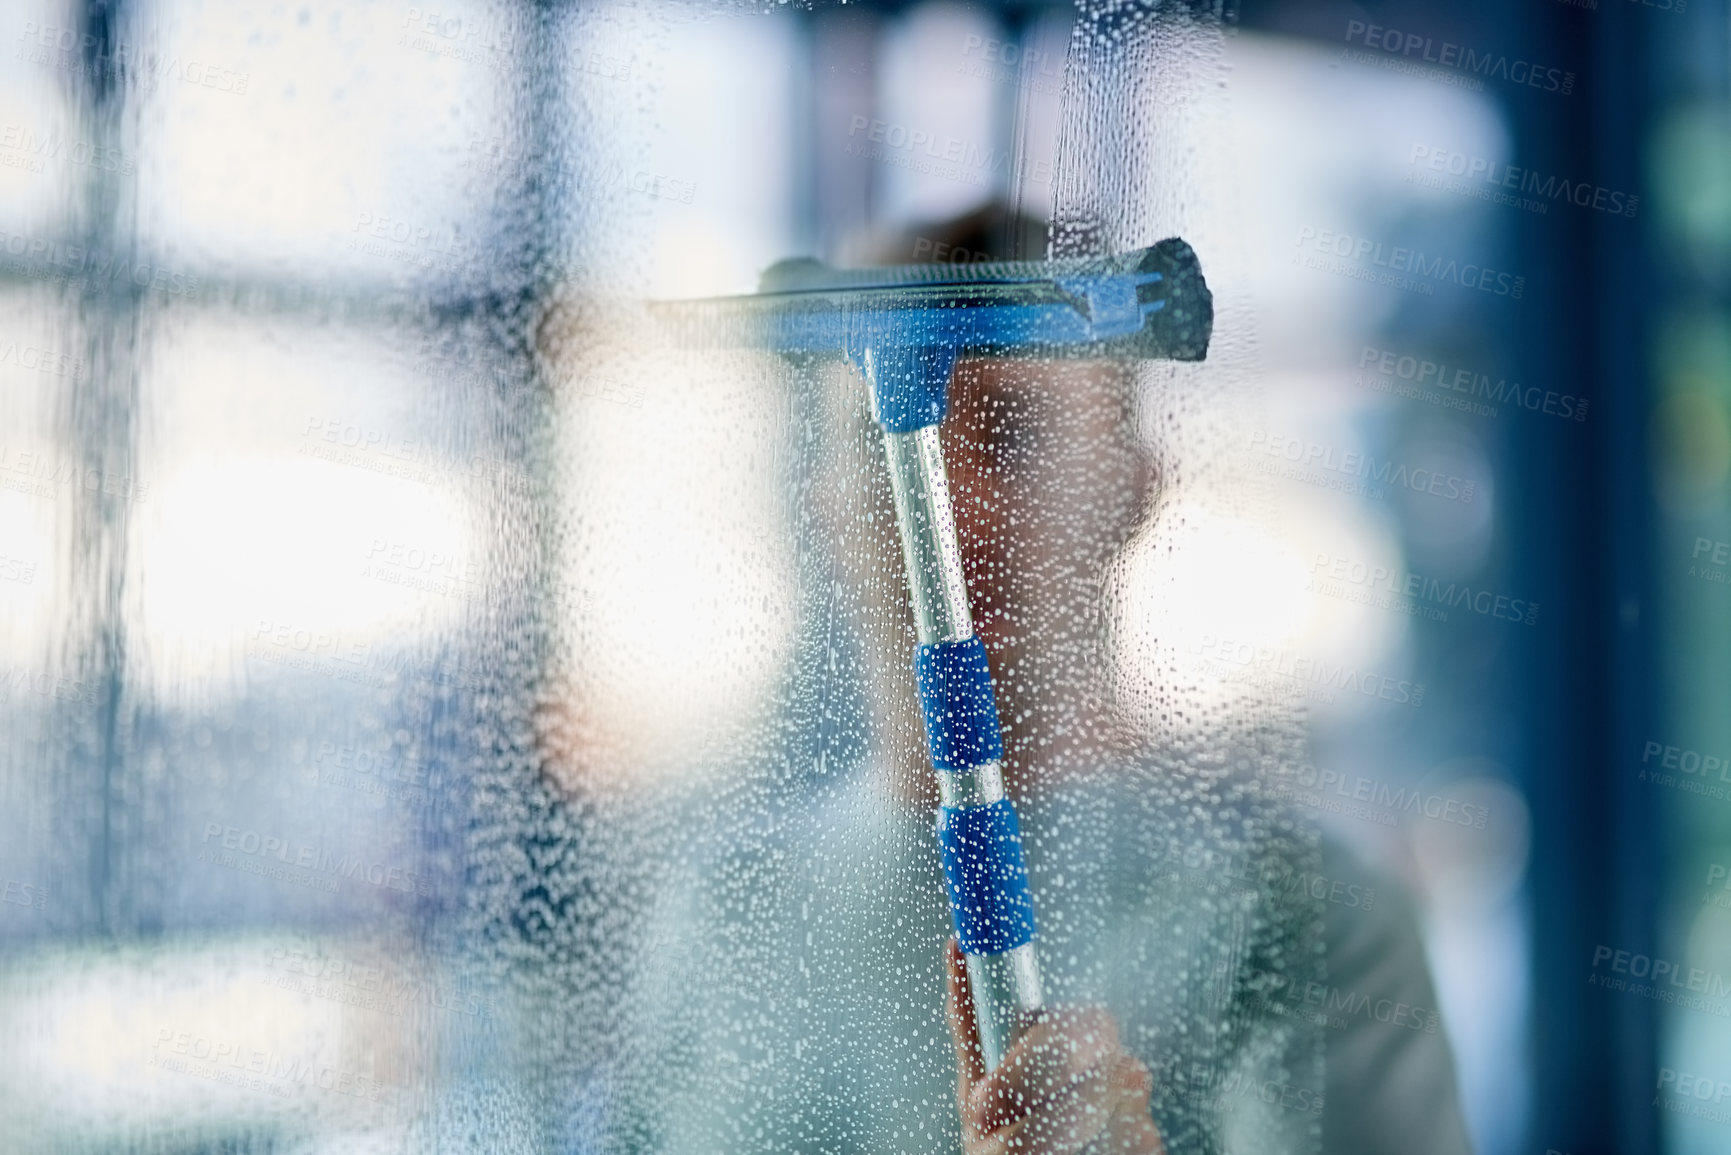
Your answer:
<point x="1391" y="1077"/>
<point x="1066" y="1085"/>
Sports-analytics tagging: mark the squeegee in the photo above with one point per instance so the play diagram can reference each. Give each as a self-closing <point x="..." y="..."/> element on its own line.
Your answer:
<point x="903" y="328"/>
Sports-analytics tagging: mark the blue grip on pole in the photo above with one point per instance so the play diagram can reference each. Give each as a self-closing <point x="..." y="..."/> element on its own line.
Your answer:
<point x="956" y="698"/>
<point x="989" y="899"/>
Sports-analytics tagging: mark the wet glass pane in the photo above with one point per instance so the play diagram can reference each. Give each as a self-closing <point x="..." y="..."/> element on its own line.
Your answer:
<point x="484" y="667"/>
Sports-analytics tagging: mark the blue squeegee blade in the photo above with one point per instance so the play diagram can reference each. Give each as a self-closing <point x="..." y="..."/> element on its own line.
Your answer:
<point x="1150" y="303"/>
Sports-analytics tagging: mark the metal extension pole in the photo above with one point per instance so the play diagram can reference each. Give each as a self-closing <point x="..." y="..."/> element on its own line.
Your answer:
<point x="977" y="827"/>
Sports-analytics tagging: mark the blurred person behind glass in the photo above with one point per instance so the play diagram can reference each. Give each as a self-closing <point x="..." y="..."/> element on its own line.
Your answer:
<point x="791" y="998"/>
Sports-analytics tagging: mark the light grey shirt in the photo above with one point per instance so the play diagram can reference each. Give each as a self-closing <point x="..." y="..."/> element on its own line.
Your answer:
<point x="790" y="991"/>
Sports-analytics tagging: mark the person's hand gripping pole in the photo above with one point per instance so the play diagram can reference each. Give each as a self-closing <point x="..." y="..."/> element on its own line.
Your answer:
<point x="1067" y="1086"/>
